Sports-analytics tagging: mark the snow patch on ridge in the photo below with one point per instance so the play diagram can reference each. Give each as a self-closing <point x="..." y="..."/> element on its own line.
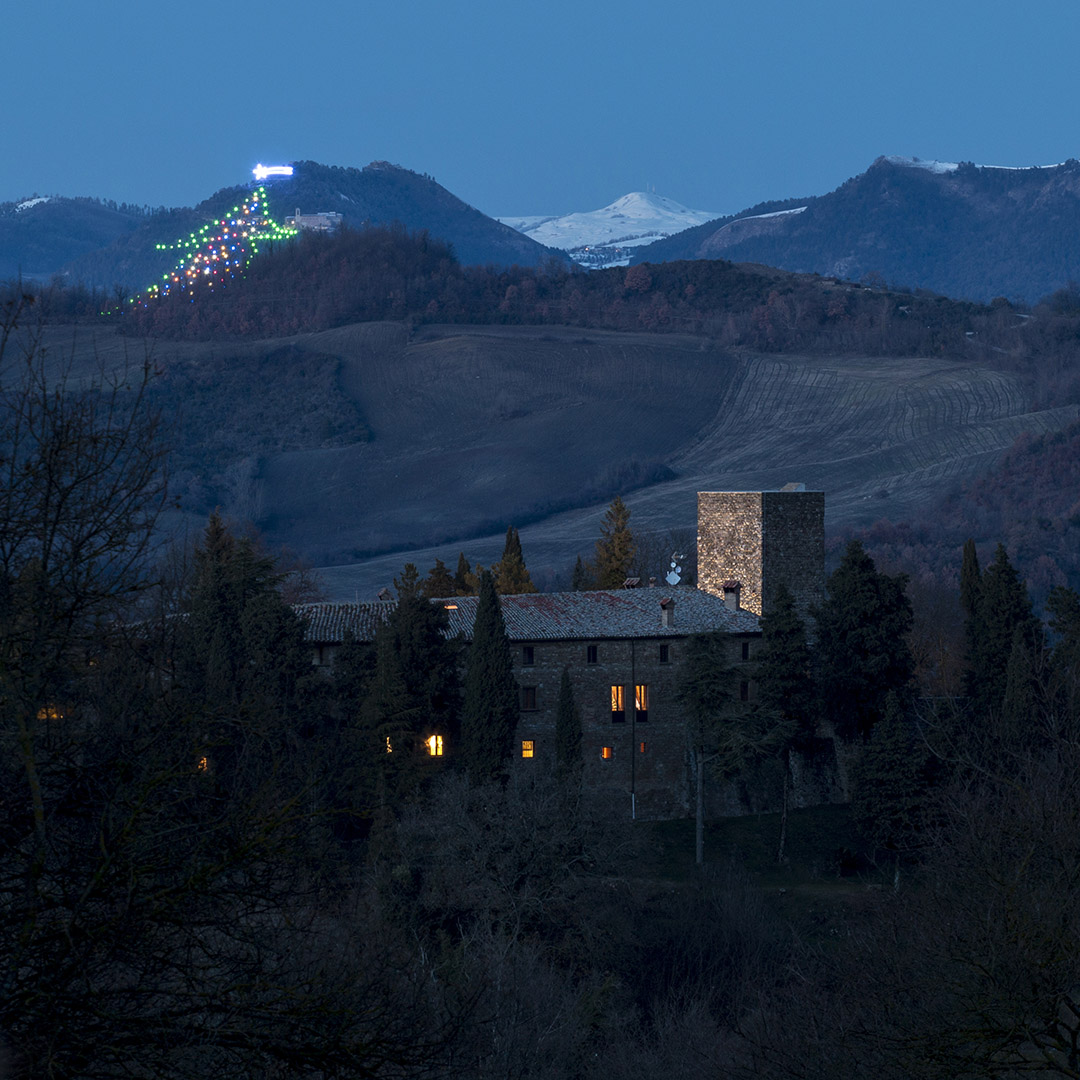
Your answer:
<point x="941" y="167"/>
<point x="603" y="237"/>
<point x="30" y="202"/>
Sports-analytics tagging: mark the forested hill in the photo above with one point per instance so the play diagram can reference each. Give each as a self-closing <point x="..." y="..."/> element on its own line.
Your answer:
<point x="320" y="282"/>
<point x="40" y="234"/>
<point x="379" y="194"/>
<point x="962" y="230"/>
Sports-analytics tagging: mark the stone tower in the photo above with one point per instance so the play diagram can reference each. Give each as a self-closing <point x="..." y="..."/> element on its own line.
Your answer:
<point x="762" y="539"/>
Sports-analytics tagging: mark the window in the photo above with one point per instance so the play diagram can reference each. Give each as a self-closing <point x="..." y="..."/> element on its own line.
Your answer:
<point x="389" y="748"/>
<point x="618" y="705"/>
<point x="641" y="703"/>
<point x="527" y="655"/>
<point x="746" y="650"/>
<point x="607" y="753"/>
<point x="744" y="691"/>
<point x="203" y="764"/>
<point x="435" y="746"/>
<point x="528" y="698"/>
<point x="665" y="654"/>
<point x="590" y="654"/>
<point x="641" y="748"/>
<point x="526" y="748"/>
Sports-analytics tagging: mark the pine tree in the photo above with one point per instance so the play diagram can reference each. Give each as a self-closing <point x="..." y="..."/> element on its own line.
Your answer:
<point x="511" y="576"/>
<point x="439" y="583"/>
<point x="490" y="714"/>
<point x="615" y="549"/>
<point x="862" y="646"/>
<point x="567" y="730"/>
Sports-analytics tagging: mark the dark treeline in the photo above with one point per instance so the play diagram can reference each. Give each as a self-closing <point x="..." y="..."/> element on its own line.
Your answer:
<point x="320" y="282"/>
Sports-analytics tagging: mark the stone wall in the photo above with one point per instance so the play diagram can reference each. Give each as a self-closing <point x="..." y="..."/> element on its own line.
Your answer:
<point x="647" y="757"/>
<point x="763" y="539"/>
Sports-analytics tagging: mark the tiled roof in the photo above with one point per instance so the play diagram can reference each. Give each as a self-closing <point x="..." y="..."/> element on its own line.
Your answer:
<point x="624" y="613"/>
<point x="329" y="623"/>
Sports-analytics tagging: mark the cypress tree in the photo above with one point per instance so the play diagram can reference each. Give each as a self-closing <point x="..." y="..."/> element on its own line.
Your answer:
<point x="615" y="549"/>
<point x="1063" y="606"/>
<point x="970" y="580"/>
<point x="413" y="691"/>
<point x="567" y="730"/>
<point x="1020" y="704"/>
<point x="888" y="791"/>
<point x="461" y="576"/>
<point x="490" y="715"/>
<point x="1003" y="607"/>
<point x="783" y="672"/>
<point x="511" y="575"/>
<point x="862" y="642"/>
<point x="581" y="579"/>
<point x="786" y="687"/>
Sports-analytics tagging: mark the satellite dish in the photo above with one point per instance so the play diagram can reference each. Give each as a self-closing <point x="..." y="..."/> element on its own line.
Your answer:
<point x="674" y="575"/>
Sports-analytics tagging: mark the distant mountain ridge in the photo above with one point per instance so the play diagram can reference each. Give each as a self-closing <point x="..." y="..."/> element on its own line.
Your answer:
<point x="41" y="233"/>
<point x="607" y="237"/>
<point x="104" y="251"/>
<point x="967" y="231"/>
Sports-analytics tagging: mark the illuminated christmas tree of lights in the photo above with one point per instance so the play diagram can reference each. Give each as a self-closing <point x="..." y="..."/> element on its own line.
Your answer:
<point x="219" y="251"/>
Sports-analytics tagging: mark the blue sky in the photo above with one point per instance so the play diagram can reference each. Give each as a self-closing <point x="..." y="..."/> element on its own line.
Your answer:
<point x="523" y="108"/>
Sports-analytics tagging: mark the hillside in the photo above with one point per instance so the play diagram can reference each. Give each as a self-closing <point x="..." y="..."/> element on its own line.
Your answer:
<point x="376" y="444"/>
<point x="379" y="194"/>
<point x="962" y="230"/>
<point x="40" y="234"/>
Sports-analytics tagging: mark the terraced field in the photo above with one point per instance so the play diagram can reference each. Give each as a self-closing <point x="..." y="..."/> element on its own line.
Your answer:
<point x="473" y="428"/>
<point x="472" y="424"/>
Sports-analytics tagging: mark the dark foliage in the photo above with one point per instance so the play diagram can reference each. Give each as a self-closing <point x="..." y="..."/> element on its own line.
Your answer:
<point x="862" y="646"/>
<point x="490" y="711"/>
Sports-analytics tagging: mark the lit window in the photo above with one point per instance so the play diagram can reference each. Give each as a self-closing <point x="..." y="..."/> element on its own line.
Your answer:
<point x="527" y="655"/>
<point x="450" y="607"/>
<point x="590" y="654"/>
<point x="389" y="748"/>
<point x="618" y="705"/>
<point x="435" y="746"/>
<point x="526" y="748"/>
<point x="641" y="748"/>
<point x="50" y="712"/>
<point x="607" y="753"/>
<point x="665" y="654"/>
<point x="641" y="702"/>
<point x="528" y="698"/>
<point x="203" y="764"/>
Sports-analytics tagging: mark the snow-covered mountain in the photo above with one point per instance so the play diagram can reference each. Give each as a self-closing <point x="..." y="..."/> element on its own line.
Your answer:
<point x="605" y="237"/>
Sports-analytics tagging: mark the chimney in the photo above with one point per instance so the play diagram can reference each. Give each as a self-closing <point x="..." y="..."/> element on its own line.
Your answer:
<point x="731" y="595"/>
<point x="667" y="611"/>
<point x="652" y="583"/>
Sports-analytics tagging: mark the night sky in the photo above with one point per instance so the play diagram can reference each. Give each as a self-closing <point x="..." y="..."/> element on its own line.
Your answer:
<point x="524" y="108"/>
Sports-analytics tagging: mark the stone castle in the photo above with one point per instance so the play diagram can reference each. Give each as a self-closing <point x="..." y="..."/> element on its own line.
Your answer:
<point x="624" y="648"/>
